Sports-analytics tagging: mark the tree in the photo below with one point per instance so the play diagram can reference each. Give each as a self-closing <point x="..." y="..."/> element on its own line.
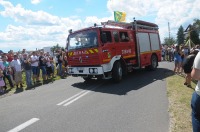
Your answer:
<point x="180" y="35"/>
<point x="194" y="34"/>
<point x="196" y="24"/>
<point x="169" y="41"/>
<point x="55" y="48"/>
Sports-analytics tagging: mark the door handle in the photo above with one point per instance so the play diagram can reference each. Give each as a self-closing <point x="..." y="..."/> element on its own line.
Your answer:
<point x="104" y="50"/>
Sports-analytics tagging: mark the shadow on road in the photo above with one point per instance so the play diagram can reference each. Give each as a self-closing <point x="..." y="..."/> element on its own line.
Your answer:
<point x="134" y="81"/>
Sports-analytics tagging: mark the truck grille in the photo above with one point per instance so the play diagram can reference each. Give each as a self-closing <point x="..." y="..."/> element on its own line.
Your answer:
<point x="84" y="60"/>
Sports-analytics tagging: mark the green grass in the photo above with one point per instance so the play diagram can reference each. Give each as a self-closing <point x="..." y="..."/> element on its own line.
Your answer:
<point x="179" y="97"/>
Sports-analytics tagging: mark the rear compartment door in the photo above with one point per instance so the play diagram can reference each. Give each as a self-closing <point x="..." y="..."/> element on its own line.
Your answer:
<point x="145" y="48"/>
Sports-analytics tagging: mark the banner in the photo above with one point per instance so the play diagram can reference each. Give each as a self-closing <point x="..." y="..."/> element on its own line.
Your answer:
<point x="120" y="16"/>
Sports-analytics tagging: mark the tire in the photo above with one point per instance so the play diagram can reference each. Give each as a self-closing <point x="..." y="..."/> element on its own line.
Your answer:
<point x="154" y="62"/>
<point x="117" y="72"/>
<point x="124" y="71"/>
<point x="87" y="79"/>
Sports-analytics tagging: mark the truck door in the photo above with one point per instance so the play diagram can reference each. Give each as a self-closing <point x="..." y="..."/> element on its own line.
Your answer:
<point x="125" y="45"/>
<point x="108" y="49"/>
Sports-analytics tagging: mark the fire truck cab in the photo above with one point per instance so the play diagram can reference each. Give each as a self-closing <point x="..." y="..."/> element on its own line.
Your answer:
<point x="113" y="49"/>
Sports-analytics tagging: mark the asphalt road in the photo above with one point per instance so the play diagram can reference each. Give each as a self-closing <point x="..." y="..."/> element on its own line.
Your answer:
<point x="138" y="104"/>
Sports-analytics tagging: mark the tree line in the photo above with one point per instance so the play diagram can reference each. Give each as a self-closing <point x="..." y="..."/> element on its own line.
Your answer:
<point x="183" y="35"/>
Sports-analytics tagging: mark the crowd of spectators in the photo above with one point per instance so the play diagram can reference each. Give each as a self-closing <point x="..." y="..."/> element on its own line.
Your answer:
<point x="183" y="58"/>
<point x="38" y="66"/>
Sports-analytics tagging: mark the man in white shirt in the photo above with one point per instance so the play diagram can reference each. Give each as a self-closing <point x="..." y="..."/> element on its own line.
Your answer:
<point x="34" y="65"/>
<point x="16" y="65"/>
<point x="195" y="102"/>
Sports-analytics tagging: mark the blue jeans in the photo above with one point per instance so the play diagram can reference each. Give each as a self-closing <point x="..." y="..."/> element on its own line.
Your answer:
<point x="43" y="68"/>
<point x="195" y="104"/>
<point x="60" y="68"/>
<point x="28" y="77"/>
<point x="35" y="70"/>
<point x="53" y="67"/>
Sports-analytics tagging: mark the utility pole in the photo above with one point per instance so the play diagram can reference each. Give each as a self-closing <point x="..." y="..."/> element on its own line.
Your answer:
<point x="169" y="29"/>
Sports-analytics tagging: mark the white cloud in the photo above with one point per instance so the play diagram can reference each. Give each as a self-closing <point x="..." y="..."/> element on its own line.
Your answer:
<point x="35" y="1"/>
<point x="177" y="12"/>
<point x="89" y="21"/>
<point x="38" y="28"/>
<point x="19" y="14"/>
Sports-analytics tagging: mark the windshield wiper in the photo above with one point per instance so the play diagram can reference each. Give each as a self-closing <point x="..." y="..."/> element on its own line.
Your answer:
<point x="79" y="47"/>
<point x="90" y="46"/>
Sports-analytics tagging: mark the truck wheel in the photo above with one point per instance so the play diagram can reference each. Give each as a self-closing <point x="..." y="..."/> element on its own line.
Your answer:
<point x="154" y="62"/>
<point x="117" y="72"/>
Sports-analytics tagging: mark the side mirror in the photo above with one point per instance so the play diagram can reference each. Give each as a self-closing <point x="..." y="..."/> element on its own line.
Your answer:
<point x="103" y="38"/>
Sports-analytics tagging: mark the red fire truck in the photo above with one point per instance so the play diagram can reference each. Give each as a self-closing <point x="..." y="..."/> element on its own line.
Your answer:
<point x="113" y="49"/>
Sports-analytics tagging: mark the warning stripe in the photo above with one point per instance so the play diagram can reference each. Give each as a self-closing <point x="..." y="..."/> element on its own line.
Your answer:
<point x="129" y="56"/>
<point x="89" y="51"/>
<point x="147" y="52"/>
<point x="70" y="53"/>
<point x="96" y="50"/>
<point x="106" y="60"/>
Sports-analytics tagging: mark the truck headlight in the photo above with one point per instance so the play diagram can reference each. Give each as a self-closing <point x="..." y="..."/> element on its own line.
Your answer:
<point x="91" y="70"/>
<point x="70" y="70"/>
<point x="95" y="70"/>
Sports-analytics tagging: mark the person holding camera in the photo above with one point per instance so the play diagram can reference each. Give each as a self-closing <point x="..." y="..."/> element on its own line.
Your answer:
<point x="28" y="70"/>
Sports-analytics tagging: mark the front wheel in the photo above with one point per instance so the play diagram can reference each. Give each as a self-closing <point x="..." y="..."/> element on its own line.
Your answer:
<point x="117" y="72"/>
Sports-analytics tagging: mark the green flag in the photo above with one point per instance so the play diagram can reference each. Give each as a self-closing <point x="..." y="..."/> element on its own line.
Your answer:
<point x="120" y="16"/>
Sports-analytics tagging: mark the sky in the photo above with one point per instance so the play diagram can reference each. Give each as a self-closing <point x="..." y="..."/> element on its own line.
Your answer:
<point x="31" y="24"/>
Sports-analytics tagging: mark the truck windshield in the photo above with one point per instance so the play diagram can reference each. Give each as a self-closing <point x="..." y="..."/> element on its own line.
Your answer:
<point x="85" y="39"/>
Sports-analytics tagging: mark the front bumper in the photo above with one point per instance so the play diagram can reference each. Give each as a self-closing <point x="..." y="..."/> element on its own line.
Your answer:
<point x="85" y="71"/>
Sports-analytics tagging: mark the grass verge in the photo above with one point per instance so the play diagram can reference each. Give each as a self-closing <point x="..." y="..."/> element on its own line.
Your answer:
<point x="179" y="97"/>
<point x="10" y="91"/>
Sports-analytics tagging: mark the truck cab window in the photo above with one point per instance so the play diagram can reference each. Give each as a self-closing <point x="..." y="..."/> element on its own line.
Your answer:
<point x="108" y="36"/>
<point x="124" y="37"/>
<point x="116" y="36"/>
<point x="82" y="40"/>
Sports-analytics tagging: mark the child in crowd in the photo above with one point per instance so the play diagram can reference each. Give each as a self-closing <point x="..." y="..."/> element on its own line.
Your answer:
<point x="2" y="83"/>
<point x="177" y="60"/>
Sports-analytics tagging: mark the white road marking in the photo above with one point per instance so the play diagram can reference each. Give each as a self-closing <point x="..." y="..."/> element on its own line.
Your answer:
<point x="71" y="97"/>
<point x="78" y="96"/>
<point x="68" y="103"/>
<point x="24" y="125"/>
<point x="83" y="94"/>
